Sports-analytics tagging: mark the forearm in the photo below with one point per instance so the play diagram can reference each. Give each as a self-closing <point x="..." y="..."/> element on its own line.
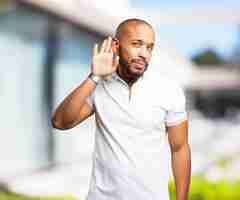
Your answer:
<point x="74" y="109"/>
<point x="181" y="166"/>
<point x="68" y="111"/>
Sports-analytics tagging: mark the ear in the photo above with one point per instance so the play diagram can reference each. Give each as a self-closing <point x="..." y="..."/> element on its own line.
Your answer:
<point x="115" y="45"/>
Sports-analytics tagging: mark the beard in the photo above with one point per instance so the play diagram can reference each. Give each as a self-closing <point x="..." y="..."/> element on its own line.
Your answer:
<point x="126" y="67"/>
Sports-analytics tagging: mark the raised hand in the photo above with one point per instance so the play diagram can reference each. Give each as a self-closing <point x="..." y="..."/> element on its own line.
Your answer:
<point x="104" y="60"/>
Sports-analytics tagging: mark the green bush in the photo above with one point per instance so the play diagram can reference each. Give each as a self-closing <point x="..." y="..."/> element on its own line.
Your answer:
<point x="202" y="189"/>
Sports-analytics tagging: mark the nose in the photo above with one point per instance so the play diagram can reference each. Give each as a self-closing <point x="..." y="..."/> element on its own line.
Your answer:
<point x="144" y="52"/>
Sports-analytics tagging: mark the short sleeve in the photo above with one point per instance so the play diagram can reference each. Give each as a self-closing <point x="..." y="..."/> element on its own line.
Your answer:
<point x="177" y="110"/>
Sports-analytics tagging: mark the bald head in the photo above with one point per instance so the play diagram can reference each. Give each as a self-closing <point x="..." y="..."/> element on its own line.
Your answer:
<point x="134" y="42"/>
<point x="124" y="26"/>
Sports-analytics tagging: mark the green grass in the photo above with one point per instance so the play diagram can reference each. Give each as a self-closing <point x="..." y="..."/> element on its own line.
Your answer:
<point x="203" y="189"/>
<point x="14" y="196"/>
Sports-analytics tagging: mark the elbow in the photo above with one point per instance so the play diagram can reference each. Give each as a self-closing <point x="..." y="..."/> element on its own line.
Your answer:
<point x="57" y="124"/>
<point x="180" y="147"/>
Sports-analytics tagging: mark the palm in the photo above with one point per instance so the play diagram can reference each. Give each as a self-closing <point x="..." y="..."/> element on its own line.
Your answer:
<point x="104" y="62"/>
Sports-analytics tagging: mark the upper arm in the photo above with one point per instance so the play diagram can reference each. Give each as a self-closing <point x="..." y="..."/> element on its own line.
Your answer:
<point x="86" y="111"/>
<point x="176" y="119"/>
<point x="178" y="135"/>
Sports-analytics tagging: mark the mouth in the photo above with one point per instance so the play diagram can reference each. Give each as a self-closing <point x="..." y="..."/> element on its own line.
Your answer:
<point x="139" y="65"/>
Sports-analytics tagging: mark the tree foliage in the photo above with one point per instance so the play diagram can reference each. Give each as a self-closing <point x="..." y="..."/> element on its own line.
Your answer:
<point x="208" y="57"/>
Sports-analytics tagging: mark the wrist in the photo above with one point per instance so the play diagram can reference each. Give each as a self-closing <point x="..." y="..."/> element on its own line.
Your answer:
<point x="94" y="78"/>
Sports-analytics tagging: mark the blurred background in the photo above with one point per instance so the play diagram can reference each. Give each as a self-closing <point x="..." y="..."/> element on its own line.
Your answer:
<point x="45" y="52"/>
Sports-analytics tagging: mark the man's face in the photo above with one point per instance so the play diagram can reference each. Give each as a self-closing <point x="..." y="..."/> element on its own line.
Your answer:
<point x="135" y="49"/>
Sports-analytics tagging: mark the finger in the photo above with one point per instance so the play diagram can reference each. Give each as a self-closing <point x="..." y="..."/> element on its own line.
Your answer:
<point x="115" y="63"/>
<point x="109" y="44"/>
<point x="95" y="50"/>
<point x="114" y="42"/>
<point x="103" y="47"/>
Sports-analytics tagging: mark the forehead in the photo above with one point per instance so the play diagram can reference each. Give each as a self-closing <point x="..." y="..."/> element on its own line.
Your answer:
<point x="139" y="32"/>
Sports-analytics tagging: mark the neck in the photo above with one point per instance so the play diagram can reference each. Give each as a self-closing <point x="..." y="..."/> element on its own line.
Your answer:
<point x="130" y="80"/>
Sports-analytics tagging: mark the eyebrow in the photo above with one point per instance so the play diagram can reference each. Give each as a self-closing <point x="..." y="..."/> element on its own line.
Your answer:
<point x="141" y="41"/>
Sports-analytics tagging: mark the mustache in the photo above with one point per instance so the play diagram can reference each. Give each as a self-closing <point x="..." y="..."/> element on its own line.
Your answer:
<point x="141" y="61"/>
<point x="123" y="62"/>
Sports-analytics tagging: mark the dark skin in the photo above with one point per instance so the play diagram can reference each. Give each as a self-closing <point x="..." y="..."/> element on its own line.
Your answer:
<point x="133" y="44"/>
<point x="181" y="158"/>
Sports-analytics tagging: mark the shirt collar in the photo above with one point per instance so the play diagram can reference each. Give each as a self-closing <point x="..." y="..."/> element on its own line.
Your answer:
<point x="115" y="76"/>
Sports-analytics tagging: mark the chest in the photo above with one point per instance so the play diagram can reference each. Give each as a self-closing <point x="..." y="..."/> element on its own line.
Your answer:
<point x="140" y="106"/>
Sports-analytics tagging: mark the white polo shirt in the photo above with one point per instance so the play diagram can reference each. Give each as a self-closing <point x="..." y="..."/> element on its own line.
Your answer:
<point x="131" y="159"/>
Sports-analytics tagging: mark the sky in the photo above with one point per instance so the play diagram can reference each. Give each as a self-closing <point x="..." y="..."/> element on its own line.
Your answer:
<point x="192" y="39"/>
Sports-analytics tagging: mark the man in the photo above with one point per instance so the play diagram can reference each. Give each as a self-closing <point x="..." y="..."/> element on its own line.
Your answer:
<point x="136" y="122"/>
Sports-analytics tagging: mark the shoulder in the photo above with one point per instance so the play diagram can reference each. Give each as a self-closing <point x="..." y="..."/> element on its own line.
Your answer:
<point x="176" y="96"/>
<point x="164" y="85"/>
<point x="175" y="92"/>
<point x="174" y="89"/>
<point x="167" y="92"/>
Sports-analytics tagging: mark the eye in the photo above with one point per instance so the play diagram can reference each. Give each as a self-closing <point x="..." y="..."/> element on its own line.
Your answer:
<point x="150" y="48"/>
<point x="136" y="44"/>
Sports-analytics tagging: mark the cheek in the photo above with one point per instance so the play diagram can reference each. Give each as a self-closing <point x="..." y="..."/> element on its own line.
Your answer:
<point x="149" y="58"/>
<point x="128" y="54"/>
<point x="132" y="54"/>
